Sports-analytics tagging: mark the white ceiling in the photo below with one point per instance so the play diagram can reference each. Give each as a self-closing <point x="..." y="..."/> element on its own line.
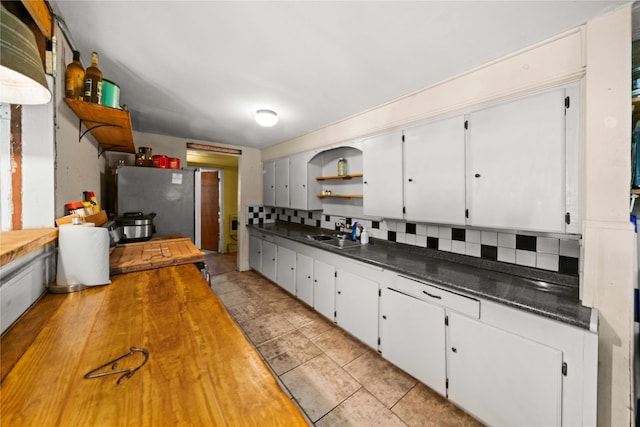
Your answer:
<point x="200" y="69"/>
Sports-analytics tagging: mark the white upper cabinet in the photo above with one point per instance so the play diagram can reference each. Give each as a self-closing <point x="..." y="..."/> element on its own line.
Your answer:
<point x="303" y="187"/>
<point x="434" y="168"/>
<point x="268" y="183"/>
<point x="282" y="182"/>
<point x="382" y="170"/>
<point x="516" y="164"/>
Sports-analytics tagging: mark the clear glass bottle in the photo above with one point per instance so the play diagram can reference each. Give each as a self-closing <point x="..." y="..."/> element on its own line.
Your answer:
<point x="343" y="167"/>
<point x="74" y="77"/>
<point x="93" y="81"/>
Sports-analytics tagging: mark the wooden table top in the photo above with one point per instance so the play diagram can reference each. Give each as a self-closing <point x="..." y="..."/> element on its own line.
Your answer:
<point x="153" y="254"/>
<point x="201" y="369"/>
<point x="14" y="244"/>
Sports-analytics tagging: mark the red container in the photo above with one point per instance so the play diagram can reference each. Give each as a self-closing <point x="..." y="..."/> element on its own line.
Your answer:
<point x="160" y="161"/>
<point x="75" y="208"/>
<point x="174" y="163"/>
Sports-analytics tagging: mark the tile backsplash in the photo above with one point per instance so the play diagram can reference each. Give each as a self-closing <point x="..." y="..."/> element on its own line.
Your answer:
<point x="557" y="254"/>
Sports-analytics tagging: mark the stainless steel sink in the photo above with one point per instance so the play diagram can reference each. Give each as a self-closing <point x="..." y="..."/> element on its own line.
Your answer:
<point x="320" y="237"/>
<point x="334" y="241"/>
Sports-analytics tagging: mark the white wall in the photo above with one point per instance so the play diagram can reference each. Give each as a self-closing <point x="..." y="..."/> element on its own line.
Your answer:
<point x="38" y="165"/>
<point x="608" y="237"/>
<point x="598" y="55"/>
<point x="77" y="167"/>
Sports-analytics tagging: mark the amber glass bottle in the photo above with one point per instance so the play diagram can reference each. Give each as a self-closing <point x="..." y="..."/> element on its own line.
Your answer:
<point x="93" y="81"/>
<point x="74" y="78"/>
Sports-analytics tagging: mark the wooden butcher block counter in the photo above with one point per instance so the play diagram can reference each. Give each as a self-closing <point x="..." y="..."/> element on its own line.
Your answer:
<point x="201" y="369"/>
<point x="153" y="254"/>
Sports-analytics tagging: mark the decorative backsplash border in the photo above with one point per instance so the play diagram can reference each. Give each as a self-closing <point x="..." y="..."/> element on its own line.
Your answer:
<point x="555" y="254"/>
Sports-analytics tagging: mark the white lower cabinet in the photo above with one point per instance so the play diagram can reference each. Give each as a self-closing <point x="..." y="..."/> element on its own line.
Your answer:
<point x="502" y="365"/>
<point x="286" y="269"/>
<point x="324" y="289"/>
<point x="268" y="260"/>
<point x="304" y="278"/>
<point x="502" y="378"/>
<point x="412" y="337"/>
<point x="357" y="306"/>
<point x="255" y="247"/>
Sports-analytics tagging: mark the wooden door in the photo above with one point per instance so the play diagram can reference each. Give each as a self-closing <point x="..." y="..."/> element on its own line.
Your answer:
<point x="210" y="211"/>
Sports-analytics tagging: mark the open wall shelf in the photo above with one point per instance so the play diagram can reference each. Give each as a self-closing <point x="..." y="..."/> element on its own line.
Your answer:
<point x="111" y="127"/>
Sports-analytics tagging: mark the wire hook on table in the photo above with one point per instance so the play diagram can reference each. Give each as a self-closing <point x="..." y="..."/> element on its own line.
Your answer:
<point x="127" y="373"/>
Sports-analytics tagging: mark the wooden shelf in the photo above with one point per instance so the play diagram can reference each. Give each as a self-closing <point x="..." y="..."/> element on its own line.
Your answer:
<point x="111" y="127"/>
<point x="350" y="176"/>
<point x="340" y="196"/>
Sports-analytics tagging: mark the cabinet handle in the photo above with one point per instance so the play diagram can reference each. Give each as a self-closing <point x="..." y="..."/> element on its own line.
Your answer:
<point x="432" y="295"/>
<point x="410" y="179"/>
<point x="308" y="277"/>
<point x="384" y="317"/>
<point x="291" y="268"/>
<point x="339" y="293"/>
<point x="303" y="185"/>
<point x="477" y="175"/>
<point x="455" y="350"/>
<point x="366" y="182"/>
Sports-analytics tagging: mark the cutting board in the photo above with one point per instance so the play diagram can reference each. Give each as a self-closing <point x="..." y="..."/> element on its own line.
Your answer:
<point x="153" y="254"/>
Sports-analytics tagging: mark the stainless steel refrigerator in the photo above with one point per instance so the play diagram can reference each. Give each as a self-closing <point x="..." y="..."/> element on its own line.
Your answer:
<point x="169" y="193"/>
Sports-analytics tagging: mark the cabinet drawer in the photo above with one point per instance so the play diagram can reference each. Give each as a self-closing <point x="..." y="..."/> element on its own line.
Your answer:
<point x="433" y="294"/>
<point x="262" y="236"/>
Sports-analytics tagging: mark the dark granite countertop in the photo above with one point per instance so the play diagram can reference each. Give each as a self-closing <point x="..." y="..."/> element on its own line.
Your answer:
<point x="547" y="294"/>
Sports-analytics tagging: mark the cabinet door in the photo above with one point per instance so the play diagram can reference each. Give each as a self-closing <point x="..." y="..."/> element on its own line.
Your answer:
<point x="282" y="182"/>
<point x="435" y="172"/>
<point x="268" y="184"/>
<point x="357" y="307"/>
<point x="382" y="180"/>
<point x="298" y="190"/>
<point x="412" y="335"/>
<point x="515" y="164"/>
<point x="502" y="378"/>
<point x="324" y="288"/>
<point x="304" y="278"/>
<point x="286" y="269"/>
<point x="268" y="260"/>
<point x="255" y="257"/>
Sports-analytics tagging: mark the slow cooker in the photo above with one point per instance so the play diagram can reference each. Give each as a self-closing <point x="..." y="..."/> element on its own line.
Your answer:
<point x="135" y="226"/>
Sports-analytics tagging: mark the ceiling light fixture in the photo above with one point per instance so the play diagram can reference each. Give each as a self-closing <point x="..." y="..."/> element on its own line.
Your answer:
<point x="266" y="118"/>
<point x="22" y="79"/>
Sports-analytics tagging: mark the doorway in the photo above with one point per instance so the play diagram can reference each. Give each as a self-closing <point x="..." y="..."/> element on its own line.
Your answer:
<point x="210" y="213"/>
<point x="227" y="210"/>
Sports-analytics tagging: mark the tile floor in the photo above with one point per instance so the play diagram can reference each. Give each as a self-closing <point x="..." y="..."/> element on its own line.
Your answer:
<point x="335" y="379"/>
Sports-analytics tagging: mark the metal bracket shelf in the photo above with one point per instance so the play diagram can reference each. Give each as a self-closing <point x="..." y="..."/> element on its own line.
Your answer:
<point x="82" y="134"/>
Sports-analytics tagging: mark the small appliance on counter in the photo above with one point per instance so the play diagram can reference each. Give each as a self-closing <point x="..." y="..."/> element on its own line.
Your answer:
<point x="114" y="232"/>
<point x="136" y="226"/>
